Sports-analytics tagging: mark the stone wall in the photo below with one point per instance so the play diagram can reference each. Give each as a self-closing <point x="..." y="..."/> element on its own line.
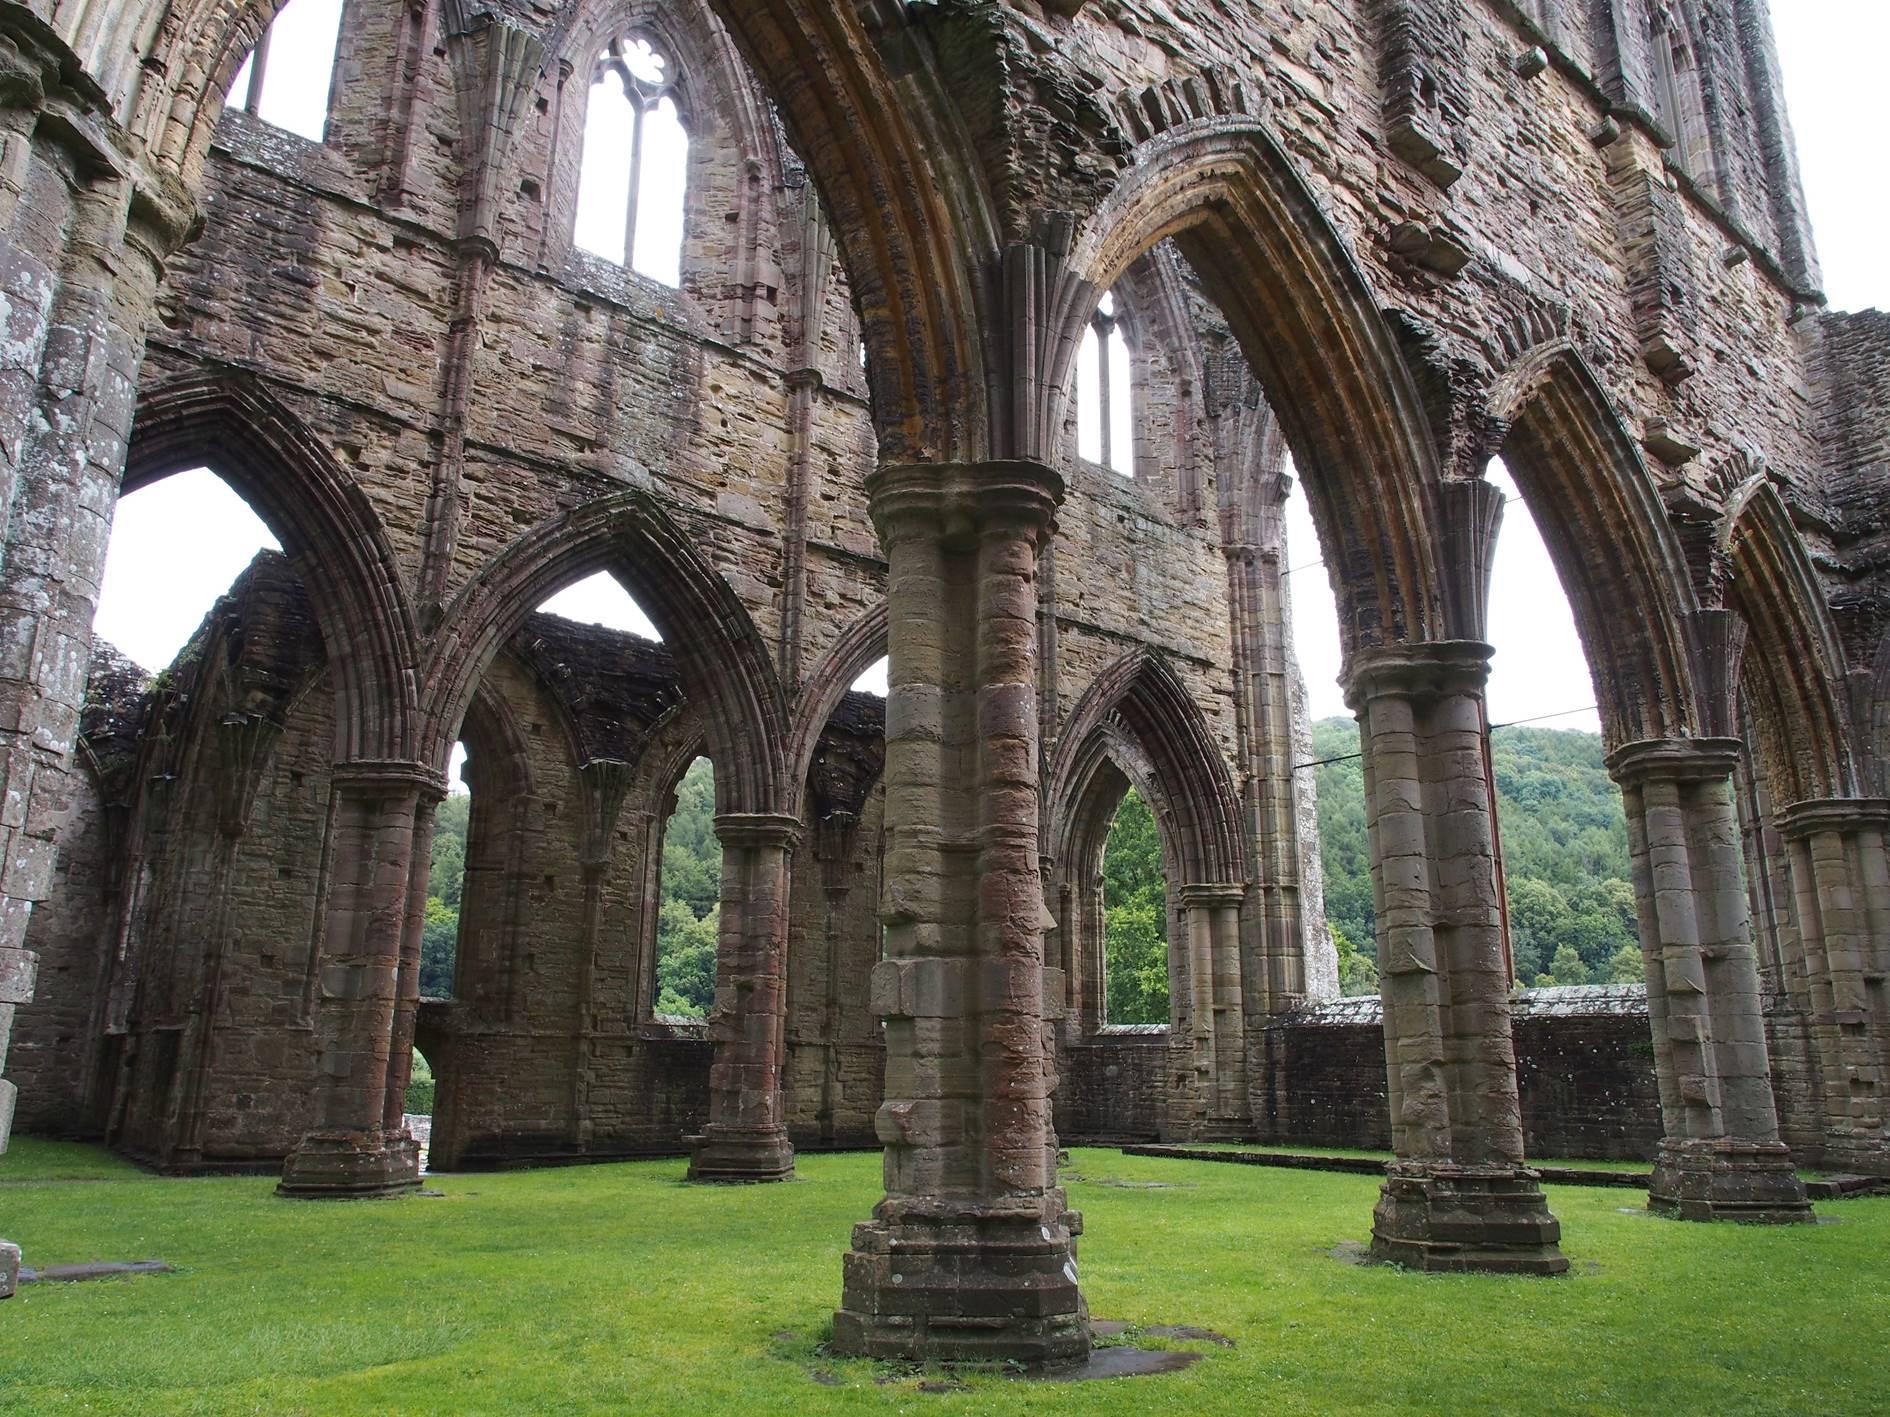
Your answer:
<point x="1584" y="1067"/>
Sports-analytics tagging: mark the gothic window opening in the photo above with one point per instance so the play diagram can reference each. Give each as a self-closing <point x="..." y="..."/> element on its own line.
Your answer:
<point x="1682" y="100"/>
<point x="446" y="882"/>
<point x="1135" y="918"/>
<point x="872" y="679"/>
<point x="1105" y="419"/>
<point x="151" y="599"/>
<point x="286" y="79"/>
<point x="633" y="179"/>
<point x="689" y="892"/>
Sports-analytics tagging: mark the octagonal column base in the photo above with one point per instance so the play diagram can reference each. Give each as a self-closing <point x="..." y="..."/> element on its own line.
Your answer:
<point x="1441" y="1217"/>
<point x="1727" y="1179"/>
<point x="975" y="1284"/>
<point x="734" y="1155"/>
<point x="351" y="1165"/>
<point x="9" y="1268"/>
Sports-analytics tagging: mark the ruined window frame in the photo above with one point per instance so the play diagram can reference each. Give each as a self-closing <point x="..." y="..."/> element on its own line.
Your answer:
<point x="645" y="96"/>
<point x="1109" y="324"/>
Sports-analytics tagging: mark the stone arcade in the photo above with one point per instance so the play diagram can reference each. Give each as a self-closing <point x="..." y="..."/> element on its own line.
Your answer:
<point x="1395" y="237"/>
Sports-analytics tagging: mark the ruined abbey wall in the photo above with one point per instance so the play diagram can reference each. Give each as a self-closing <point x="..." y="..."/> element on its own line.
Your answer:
<point x="1393" y="237"/>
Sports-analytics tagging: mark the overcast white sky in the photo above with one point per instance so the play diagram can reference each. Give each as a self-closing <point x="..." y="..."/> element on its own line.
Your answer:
<point x="1833" y="51"/>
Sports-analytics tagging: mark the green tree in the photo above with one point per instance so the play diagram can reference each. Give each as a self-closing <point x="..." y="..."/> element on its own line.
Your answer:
<point x="1625" y="966"/>
<point x="692" y="856"/>
<point x="1564" y="837"/>
<point x="1135" y="918"/>
<point x="685" y="960"/>
<point x="439" y="949"/>
<point x="688" y="917"/>
<point x="1565" y="968"/>
<point x="447" y="872"/>
<point x="1358" y="969"/>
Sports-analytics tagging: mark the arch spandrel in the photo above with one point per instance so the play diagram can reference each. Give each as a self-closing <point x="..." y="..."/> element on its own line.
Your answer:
<point x="1613" y="545"/>
<point x="1313" y="331"/>
<point x="324" y="522"/>
<point x="720" y="656"/>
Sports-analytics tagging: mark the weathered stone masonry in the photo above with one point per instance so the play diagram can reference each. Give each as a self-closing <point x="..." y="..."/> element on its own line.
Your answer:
<point x="1392" y="238"/>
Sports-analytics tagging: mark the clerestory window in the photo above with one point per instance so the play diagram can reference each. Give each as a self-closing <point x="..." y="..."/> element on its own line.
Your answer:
<point x="292" y="93"/>
<point x="1104" y="392"/>
<point x="634" y="174"/>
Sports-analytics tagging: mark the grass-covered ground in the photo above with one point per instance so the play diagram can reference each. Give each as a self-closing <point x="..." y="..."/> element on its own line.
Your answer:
<point x="620" y="1289"/>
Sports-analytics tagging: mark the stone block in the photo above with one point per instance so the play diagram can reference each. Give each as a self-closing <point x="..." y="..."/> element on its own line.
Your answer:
<point x="18" y="972"/>
<point x="9" y="1268"/>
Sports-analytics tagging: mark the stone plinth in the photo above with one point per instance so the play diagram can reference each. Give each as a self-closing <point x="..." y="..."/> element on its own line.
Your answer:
<point x="1727" y="1179"/>
<point x="1492" y="1219"/>
<point x="9" y="1269"/>
<point x="739" y="1154"/>
<point x="350" y="1165"/>
<point x="978" y="1284"/>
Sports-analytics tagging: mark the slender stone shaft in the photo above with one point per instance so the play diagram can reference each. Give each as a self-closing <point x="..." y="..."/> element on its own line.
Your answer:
<point x="1212" y="916"/>
<point x="1840" y="871"/>
<point x="746" y="1137"/>
<point x="1458" y="1195"/>
<point x="1720" y="1157"/>
<point x="351" y="1150"/>
<point x="971" y="1255"/>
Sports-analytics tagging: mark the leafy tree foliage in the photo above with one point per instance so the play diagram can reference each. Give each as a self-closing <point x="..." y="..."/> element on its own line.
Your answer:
<point x="1135" y="918"/>
<point x="1565" y="854"/>
<point x="446" y="882"/>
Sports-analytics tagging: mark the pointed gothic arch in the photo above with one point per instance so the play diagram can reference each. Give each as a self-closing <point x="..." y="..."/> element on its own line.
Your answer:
<point x="1793" y="657"/>
<point x="720" y="657"/>
<point x="1611" y="541"/>
<point x="1315" y="335"/>
<point x="1141" y="699"/>
<point x="277" y="464"/>
<point x="852" y="654"/>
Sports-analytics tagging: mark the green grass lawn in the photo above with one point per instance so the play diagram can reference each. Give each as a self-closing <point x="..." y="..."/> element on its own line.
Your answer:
<point x="620" y="1289"/>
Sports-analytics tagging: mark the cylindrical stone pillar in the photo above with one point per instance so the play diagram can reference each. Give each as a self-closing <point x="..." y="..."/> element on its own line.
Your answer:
<point x="1458" y="1195"/>
<point x="972" y="1253"/>
<point x="1840" y="872"/>
<point x="1212" y="915"/>
<point x="1720" y="1157"/>
<point x="351" y="1150"/>
<point x="746" y="1137"/>
<point x="412" y="935"/>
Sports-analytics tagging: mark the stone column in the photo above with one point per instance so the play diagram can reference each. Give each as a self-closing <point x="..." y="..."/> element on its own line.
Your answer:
<point x="412" y="935"/>
<point x="1840" y="873"/>
<point x="1212" y="915"/>
<point x="1458" y="1195"/>
<point x="746" y="1138"/>
<point x="972" y="1254"/>
<point x="1721" y="1157"/>
<point x="84" y="233"/>
<point x="351" y="1150"/>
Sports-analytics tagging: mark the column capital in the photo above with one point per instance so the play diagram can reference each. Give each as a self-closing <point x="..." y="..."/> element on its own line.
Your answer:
<point x="1211" y="893"/>
<point x="963" y="501"/>
<point x="1833" y="814"/>
<point x="365" y="775"/>
<point x="1673" y="760"/>
<point x="762" y="829"/>
<point x="1431" y="669"/>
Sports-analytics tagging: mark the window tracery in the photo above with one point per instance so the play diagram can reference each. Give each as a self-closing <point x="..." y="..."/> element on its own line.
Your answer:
<point x="633" y="176"/>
